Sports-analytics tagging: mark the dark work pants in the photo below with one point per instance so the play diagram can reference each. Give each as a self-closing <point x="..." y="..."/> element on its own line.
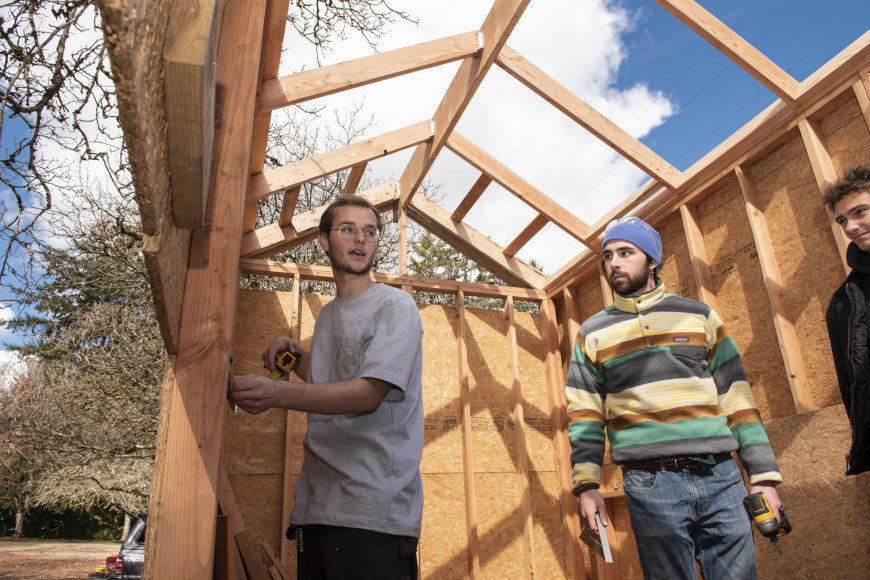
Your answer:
<point x="334" y="553"/>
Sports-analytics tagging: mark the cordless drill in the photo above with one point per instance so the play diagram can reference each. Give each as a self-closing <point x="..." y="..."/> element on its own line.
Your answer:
<point x="284" y="363"/>
<point x="764" y="519"/>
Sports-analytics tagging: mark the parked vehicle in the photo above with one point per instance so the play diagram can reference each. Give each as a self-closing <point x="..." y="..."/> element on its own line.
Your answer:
<point x="127" y="565"/>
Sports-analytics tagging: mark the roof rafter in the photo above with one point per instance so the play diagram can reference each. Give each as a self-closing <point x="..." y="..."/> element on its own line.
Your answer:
<point x="304" y="170"/>
<point x="527" y="234"/>
<point x="515" y="184"/>
<point x="473" y="244"/>
<point x="327" y="80"/>
<point x="734" y="47"/>
<point x="586" y="116"/>
<point x="471" y="197"/>
<point x="499" y="23"/>
<point x="273" y="238"/>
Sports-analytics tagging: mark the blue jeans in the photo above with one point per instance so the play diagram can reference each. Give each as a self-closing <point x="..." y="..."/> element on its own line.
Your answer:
<point x="680" y="516"/>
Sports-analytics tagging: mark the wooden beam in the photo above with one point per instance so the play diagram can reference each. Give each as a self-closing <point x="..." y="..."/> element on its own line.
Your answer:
<point x="272" y="239"/>
<point x="499" y="23"/>
<point x="521" y="454"/>
<point x="575" y="566"/>
<point x="471" y="197"/>
<point x="273" y="38"/>
<point x="328" y="80"/>
<point x="288" y="206"/>
<point x="289" y="475"/>
<point x="698" y="256"/>
<point x="525" y="191"/>
<point x="861" y="88"/>
<point x="825" y="174"/>
<point x="787" y="338"/>
<point x="354" y="179"/>
<point x="581" y="113"/>
<point x="324" y="273"/>
<point x="467" y="442"/>
<point x="189" y="79"/>
<point x="304" y="170"/>
<point x="527" y="234"/>
<point x="606" y="291"/>
<point x="403" y="244"/>
<point x="836" y="70"/>
<point x="472" y="243"/>
<point x="734" y="47"/>
<point x="188" y="501"/>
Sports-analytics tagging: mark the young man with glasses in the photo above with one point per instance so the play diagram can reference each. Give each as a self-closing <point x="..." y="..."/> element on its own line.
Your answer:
<point x="662" y="375"/>
<point x="849" y="201"/>
<point x="359" y="496"/>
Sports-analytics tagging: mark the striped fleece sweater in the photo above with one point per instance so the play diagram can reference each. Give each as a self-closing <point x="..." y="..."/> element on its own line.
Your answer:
<point x="664" y="376"/>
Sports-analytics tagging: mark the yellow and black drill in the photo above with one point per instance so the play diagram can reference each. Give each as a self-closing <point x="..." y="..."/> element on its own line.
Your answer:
<point x="764" y="519"/>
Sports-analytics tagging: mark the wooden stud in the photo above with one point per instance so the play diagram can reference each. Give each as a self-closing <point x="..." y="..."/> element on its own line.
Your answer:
<point x="825" y="174"/>
<point x="270" y="61"/>
<point x="188" y="501"/>
<point x="328" y="80"/>
<point x="472" y="243"/>
<point x="572" y="312"/>
<point x="734" y="47"/>
<point x="499" y="23"/>
<point x="288" y="207"/>
<point x="324" y="273"/>
<point x="606" y="291"/>
<point x="535" y="226"/>
<point x="354" y="179"/>
<point x="788" y="342"/>
<point x="574" y="562"/>
<point x="471" y="197"/>
<point x="304" y="170"/>
<point x="515" y="184"/>
<point x="189" y="79"/>
<point x="289" y="476"/>
<point x="271" y="239"/>
<point x="698" y="256"/>
<point x="587" y="117"/>
<point x="403" y="243"/>
<point x="224" y="549"/>
<point x="861" y="88"/>
<point x="467" y="439"/>
<point x="611" y="570"/>
<point x="521" y="456"/>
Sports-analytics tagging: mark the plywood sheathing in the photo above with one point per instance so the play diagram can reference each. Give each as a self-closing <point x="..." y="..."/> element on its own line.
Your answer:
<point x="847" y="137"/>
<point x="255" y="444"/>
<point x="828" y="511"/>
<point x="805" y="253"/>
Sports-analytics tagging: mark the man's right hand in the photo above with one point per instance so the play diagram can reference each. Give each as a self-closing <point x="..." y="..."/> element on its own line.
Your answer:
<point x="278" y="345"/>
<point x="591" y="503"/>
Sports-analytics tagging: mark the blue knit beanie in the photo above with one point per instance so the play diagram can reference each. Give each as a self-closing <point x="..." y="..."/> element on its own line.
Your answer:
<point x="639" y="233"/>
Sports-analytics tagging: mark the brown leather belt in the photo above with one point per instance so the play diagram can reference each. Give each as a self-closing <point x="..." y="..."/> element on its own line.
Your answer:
<point x="681" y="462"/>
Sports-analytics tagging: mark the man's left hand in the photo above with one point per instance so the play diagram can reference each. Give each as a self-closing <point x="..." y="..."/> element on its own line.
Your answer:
<point x="771" y="495"/>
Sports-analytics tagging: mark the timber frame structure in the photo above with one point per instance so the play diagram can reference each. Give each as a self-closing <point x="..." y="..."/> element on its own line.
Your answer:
<point x="197" y="82"/>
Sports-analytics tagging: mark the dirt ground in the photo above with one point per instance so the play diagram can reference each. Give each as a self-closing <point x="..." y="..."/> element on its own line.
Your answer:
<point x="52" y="560"/>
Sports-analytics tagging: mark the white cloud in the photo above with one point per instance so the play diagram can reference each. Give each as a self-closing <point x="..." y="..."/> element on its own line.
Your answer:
<point x="576" y="43"/>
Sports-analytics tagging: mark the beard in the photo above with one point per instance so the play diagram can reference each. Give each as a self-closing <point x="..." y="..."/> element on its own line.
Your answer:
<point x="345" y="266"/>
<point x="631" y="284"/>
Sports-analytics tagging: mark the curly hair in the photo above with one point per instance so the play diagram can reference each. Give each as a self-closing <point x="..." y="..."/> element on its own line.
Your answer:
<point x="855" y="179"/>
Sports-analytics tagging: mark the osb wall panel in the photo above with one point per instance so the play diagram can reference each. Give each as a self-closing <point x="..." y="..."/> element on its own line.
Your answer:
<point x="590" y="299"/>
<point x="846" y="137"/>
<point x="254" y="448"/>
<point x="744" y="305"/>
<point x="806" y="254"/>
<point x="676" y="271"/>
<point x="827" y="510"/>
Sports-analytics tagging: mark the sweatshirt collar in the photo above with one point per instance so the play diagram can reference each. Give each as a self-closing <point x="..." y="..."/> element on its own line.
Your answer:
<point x="857" y="259"/>
<point x="640" y="303"/>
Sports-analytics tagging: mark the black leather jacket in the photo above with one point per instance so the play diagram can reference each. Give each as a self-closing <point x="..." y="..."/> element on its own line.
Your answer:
<point x="848" y="319"/>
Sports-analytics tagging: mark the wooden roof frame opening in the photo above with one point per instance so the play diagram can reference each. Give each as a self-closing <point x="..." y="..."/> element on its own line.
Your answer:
<point x="201" y="229"/>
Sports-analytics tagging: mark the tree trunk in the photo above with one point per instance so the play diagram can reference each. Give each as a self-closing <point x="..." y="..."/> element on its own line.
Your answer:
<point x="21" y="509"/>
<point x="126" y="531"/>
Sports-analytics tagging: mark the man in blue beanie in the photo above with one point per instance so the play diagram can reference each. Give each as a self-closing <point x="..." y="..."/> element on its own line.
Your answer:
<point x="662" y="378"/>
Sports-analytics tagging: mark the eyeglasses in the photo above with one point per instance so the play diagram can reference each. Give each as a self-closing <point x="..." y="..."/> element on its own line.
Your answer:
<point x="348" y="233"/>
<point x="623" y="220"/>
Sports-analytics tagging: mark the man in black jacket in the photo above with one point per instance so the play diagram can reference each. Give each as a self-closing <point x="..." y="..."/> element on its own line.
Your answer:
<point x="847" y="316"/>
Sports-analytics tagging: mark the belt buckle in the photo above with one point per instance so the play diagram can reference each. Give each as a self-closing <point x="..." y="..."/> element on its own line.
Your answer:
<point x="670" y="463"/>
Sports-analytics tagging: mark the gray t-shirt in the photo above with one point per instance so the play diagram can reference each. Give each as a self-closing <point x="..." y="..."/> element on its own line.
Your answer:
<point x="363" y="470"/>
